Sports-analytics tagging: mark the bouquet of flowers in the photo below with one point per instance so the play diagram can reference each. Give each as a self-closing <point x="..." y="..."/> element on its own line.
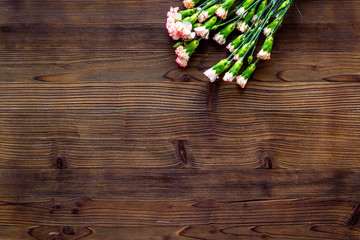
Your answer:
<point x="249" y="17"/>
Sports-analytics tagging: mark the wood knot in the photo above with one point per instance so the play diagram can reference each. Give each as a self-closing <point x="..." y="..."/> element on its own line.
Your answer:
<point x="75" y="211"/>
<point x="67" y="230"/>
<point x="186" y="78"/>
<point x="60" y="163"/>
<point x="354" y="217"/>
<point x="267" y="163"/>
<point x="182" y="151"/>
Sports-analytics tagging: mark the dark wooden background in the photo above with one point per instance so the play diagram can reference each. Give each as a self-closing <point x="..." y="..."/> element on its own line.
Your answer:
<point x="103" y="136"/>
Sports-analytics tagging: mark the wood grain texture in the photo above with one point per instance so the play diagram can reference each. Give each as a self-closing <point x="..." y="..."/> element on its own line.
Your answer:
<point x="103" y="136"/>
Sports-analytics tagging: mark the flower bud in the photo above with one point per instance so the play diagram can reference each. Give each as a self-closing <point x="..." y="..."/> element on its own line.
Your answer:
<point x="265" y="51"/>
<point x="221" y="36"/>
<point x="222" y="11"/>
<point x="190" y="3"/>
<point x="214" y="72"/>
<point x="244" y="7"/>
<point x="204" y="15"/>
<point x="231" y="74"/>
<point x="244" y="77"/>
<point x="204" y="31"/>
<point x="236" y="43"/>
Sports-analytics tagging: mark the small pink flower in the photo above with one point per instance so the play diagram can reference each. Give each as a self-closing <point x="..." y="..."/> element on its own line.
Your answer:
<point x="230" y="47"/>
<point x="228" y="77"/>
<point x="241" y="81"/>
<point x="211" y="74"/>
<point x="219" y="39"/>
<point x="267" y="31"/>
<point x="172" y="31"/>
<point x="203" y="16"/>
<point x="182" y="62"/>
<point x="202" y="32"/>
<point x="221" y="12"/>
<point x="236" y="57"/>
<point x="264" y="55"/>
<point x="240" y="11"/>
<point x="184" y="29"/>
<point x="189" y="3"/>
<point x="181" y="52"/>
<point x="173" y="15"/>
<point x="242" y="26"/>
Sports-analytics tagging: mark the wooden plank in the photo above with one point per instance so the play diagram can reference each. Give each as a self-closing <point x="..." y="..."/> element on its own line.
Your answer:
<point x="92" y="218"/>
<point x="142" y="124"/>
<point x="179" y="183"/>
<point x="206" y="232"/>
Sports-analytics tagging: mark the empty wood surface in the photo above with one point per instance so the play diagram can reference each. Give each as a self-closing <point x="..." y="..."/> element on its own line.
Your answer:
<point x="103" y="136"/>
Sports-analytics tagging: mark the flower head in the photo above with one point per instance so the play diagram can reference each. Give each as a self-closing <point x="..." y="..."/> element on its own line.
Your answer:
<point x="172" y="31"/>
<point x="184" y="53"/>
<point x="229" y="76"/>
<point x="181" y="52"/>
<point x="264" y="53"/>
<point x="182" y="62"/>
<point x="244" y="77"/>
<point x="189" y="3"/>
<point x="272" y="27"/>
<point x="184" y="29"/>
<point x="240" y="11"/>
<point x="245" y="5"/>
<point x="242" y="26"/>
<point x="211" y="74"/>
<point x="241" y="81"/>
<point x="204" y="15"/>
<point x="219" y="38"/>
<point x="173" y="15"/>
<point x="235" y="43"/>
<point x="214" y="72"/>
<point x="202" y="32"/>
<point x="221" y="12"/>
<point x="267" y="31"/>
<point x="243" y="50"/>
<point x="172" y="18"/>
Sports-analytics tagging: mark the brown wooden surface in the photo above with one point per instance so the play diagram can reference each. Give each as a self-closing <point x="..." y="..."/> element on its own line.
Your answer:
<point x="103" y="136"/>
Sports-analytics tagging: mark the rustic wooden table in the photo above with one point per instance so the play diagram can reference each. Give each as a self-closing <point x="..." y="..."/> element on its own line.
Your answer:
<point x="103" y="136"/>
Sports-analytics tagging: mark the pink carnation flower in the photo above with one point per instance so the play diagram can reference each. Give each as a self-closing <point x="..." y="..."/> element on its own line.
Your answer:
<point x="172" y="18"/>
<point x="181" y="52"/>
<point x="228" y="77"/>
<point x="221" y="12"/>
<point x="203" y="16"/>
<point x="230" y="47"/>
<point x="241" y="81"/>
<point x="173" y="15"/>
<point x="184" y="30"/>
<point x="264" y="55"/>
<point x="182" y="62"/>
<point x="172" y="31"/>
<point x="267" y="31"/>
<point x="219" y="39"/>
<point x="242" y="26"/>
<point x="189" y="3"/>
<point x="211" y="74"/>
<point x="202" y="32"/>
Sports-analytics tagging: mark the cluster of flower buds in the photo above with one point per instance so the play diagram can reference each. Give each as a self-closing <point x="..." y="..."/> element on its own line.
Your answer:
<point x="250" y="17"/>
